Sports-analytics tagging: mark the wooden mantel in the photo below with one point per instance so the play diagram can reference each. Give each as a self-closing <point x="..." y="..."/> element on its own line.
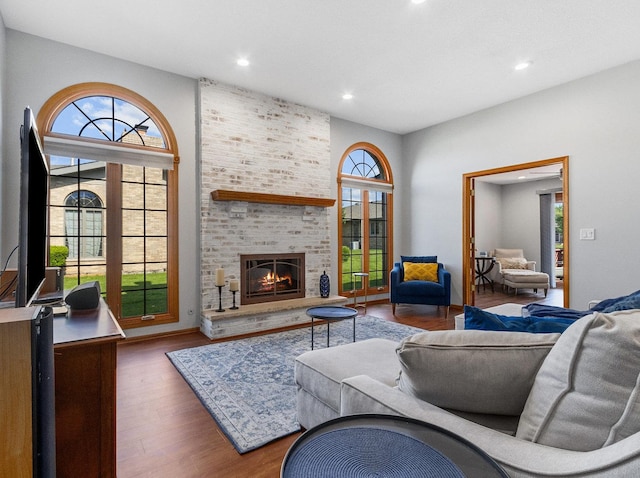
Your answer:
<point x="226" y="195"/>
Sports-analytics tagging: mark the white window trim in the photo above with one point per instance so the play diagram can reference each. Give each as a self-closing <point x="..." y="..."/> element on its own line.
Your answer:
<point x="370" y="184"/>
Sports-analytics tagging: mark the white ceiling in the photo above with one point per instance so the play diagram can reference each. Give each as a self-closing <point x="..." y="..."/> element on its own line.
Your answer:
<point x="408" y="66"/>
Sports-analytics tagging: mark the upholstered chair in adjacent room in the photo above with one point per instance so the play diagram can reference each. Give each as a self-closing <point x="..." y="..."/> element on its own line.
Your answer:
<point x="420" y="280"/>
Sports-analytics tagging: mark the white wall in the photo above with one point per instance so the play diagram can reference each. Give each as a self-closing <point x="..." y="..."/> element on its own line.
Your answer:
<point x="345" y="134"/>
<point x="595" y="122"/>
<point x="38" y="69"/>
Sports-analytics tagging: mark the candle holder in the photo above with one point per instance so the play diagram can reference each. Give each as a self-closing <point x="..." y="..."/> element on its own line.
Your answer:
<point x="220" y="309"/>
<point x="234" y="307"/>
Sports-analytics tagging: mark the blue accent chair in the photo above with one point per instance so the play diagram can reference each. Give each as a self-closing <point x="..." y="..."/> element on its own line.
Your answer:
<point x="418" y="291"/>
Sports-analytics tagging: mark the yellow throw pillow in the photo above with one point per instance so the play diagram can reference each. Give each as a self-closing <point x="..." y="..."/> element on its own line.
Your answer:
<point x="421" y="271"/>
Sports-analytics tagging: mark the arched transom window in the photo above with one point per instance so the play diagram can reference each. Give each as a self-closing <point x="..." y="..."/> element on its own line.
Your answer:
<point x="113" y="190"/>
<point x="365" y="224"/>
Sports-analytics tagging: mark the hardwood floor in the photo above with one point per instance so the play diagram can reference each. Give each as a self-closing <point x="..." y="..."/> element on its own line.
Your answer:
<point x="164" y="431"/>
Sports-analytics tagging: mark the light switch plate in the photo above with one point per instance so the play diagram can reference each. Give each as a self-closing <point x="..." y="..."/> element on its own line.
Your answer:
<point x="587" y="234"/>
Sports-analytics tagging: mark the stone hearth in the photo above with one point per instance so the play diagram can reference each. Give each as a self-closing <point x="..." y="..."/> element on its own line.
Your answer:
<point x="260" y="317"/>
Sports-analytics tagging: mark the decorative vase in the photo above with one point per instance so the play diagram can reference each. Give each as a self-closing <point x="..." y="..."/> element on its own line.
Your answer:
<point x="325" y="286"/>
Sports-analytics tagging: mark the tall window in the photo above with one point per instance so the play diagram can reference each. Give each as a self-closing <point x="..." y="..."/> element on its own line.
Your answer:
<point x="365" y="223"/>
<point x="113" y="198"/>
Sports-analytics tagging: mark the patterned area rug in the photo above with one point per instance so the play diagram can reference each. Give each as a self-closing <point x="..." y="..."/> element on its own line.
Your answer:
<point x="248" y="385"/>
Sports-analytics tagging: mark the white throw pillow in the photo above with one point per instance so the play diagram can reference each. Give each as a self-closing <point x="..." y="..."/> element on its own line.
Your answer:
<point x="472" y="370"/>
<point x="512" y="263"/>
<point x="586" y="395"/>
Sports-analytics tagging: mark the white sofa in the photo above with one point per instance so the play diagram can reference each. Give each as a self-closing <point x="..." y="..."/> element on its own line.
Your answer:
<point x="539" y="404"/>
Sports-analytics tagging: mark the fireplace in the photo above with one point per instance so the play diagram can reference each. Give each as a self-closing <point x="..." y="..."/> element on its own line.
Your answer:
<point x="270" y="277"/>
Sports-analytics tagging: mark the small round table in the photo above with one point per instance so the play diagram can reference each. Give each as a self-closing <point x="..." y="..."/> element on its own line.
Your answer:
<point x="362" y="276"/>
<point x="332" y="313"/>
<point x="385" y="446"/>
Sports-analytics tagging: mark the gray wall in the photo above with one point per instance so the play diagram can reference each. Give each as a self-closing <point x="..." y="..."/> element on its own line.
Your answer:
<point x="488" y="216"/>
<point x="508" y="216"/>
<point x="38" y="69"/>
<point x="595" y="122"/>
<point x="521" y="216"/>
<point x="3" y="76"/>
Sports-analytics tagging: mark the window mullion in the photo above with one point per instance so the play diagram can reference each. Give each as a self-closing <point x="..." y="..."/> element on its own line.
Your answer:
<point x="114" y="237"/>
<point x="365" y="231"/>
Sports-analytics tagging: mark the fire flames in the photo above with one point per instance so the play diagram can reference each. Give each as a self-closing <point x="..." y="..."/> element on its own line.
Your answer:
<point x="273" y="280"/>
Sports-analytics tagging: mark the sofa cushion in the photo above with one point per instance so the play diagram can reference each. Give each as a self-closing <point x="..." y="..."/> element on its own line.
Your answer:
<point x="586" y="395"/>
<point x="478" y="319"/>
<point x="525" y="276"/>
<point x="512" y="262"/>
<point x="472" y="371"/>
<point x="427" y="271"/>
<point x="421" y="288"/>
<point x="319" y="372"/>
<point x="507" y="253"/>
<point x="419" y="259"/>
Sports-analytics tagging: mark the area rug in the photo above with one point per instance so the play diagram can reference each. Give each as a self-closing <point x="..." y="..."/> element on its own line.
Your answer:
<point x="248" y="385"/>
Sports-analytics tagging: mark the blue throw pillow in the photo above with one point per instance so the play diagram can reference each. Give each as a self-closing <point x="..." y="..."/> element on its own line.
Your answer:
<point x="478" y="319"/>
<point x="429" y="259"/>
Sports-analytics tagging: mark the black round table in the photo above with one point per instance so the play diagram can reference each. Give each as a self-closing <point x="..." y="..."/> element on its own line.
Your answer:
<point x="361" y="446"/>
<point x="332" y="314"/>
<point x="484" y="265"/>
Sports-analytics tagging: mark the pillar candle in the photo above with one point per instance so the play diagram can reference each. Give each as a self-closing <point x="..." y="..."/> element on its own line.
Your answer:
<point x="234" y="285"/>
<point x="219" y="277"/>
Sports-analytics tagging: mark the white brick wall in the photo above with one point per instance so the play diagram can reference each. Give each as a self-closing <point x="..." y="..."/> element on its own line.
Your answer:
<point x="254" y="143"/>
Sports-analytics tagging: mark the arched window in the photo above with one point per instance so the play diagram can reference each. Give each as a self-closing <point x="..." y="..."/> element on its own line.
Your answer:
<point x="113" y="198"/>
<point x="365" y="226"/>
<point x="83" y="228"/>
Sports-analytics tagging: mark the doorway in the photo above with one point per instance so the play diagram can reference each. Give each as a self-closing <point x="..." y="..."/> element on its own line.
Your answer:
<point x="469" y="239"/>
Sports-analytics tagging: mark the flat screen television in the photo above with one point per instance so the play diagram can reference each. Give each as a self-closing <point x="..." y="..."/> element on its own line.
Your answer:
<point x="33" y="220"/>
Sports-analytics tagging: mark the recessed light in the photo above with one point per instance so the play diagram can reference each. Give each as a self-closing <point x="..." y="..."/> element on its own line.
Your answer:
<point x="522" y="177"/>
<point x="522" y="66"/>
<point x="347" y="96"/>
<point x="418" y="2"/>
<point x="242" y="62"/>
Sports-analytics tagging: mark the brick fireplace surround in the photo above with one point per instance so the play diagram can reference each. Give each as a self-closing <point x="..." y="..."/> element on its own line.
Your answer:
<point x="265" y="188"/>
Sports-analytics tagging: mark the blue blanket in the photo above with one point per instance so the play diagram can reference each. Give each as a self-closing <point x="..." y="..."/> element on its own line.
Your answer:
<point x="539" y="318"/>
<point x="625" y="302"/>
<point x="478" y="319"/>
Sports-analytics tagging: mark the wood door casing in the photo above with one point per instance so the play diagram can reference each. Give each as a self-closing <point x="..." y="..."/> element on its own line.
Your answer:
<point x="468" y="222"/>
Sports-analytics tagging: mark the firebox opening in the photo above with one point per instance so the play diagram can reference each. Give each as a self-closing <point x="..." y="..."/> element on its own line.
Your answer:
<point x="270" y="277"/>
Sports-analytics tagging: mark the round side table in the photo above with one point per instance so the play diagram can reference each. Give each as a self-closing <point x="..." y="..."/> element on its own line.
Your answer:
<point x="484" y="265"/>
<point x="364" y="277"/>
<point x="385" y="446"/>
<point x="332" y="314"/>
